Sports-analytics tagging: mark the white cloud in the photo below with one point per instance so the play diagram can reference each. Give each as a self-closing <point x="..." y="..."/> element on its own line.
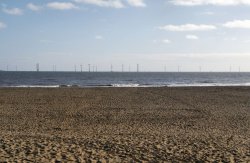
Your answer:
<point x="61" y="5"/>
<point x="192" y="37"/>
<point x="13" y="11"/>
<point x="137" y="3"/>
<point x="230" y="39"/>
<point x="210" y="2"/>
<point x="103" y="3"/>
<point x="2" y="25"/>
<point x="166" y="41"/>
<point x="99" y="37"/>
<point x="244" y="24"/>
<point x="33" y="7"/>
<point x="188" y="27"/>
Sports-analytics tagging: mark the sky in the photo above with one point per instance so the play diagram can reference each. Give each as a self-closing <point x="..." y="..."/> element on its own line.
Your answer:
<point x="194" y="35"/>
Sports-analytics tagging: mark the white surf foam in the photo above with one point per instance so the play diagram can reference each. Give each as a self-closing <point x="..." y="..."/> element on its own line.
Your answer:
<point x="34" y="86"/>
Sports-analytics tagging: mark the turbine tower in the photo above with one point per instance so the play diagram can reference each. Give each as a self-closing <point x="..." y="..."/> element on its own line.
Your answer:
<point x="54" y="68"/>
<point x="37" y="67"/>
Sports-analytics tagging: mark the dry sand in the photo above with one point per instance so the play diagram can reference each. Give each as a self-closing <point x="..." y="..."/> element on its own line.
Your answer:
<point x="125" y="124"/>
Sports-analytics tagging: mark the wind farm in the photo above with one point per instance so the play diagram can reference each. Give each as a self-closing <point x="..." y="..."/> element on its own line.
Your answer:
<point x="117" y="81"/>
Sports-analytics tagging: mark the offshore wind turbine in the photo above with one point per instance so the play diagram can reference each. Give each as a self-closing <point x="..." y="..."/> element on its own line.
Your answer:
<point x="54" y="68"/>
<point x="37" y="67"/>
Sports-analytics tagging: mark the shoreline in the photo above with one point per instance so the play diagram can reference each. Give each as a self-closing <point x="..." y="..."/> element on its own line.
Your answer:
<point x="131" y="86"/>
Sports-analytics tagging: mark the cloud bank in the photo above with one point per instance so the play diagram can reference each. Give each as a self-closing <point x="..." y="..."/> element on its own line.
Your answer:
<point x="137" y="3"/>
<point x="192" y="37"/>
<point x="243" y="24"/>
<point x="188" y="27"/>
<point x="103" y="3"/>
<point x="13" y="11"/>
<point x="33" y="7"/>
<point x="210" y="2"/>
<point x="113" y="3"/>
<point x="61" y="5"/>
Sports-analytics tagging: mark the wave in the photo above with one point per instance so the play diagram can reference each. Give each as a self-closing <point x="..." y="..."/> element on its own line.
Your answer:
<point x="210" y="85"/>
<point x="182" y="85"/>
<point x="133" y="85"/>
<point x="125" y="85"/>
<point x="33" y="86"/>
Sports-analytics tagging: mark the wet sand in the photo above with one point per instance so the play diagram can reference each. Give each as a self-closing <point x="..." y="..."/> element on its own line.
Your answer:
<point x="125" y="124"/>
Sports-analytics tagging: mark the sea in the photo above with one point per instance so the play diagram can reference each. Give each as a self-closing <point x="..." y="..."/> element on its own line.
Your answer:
<point x="122" y="79"/>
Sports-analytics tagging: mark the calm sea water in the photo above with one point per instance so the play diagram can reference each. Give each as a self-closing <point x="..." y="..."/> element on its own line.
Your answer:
<point x="116" y="79"/>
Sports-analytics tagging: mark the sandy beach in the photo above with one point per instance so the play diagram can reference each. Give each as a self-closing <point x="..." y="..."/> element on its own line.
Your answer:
<point x="207" y="124"/>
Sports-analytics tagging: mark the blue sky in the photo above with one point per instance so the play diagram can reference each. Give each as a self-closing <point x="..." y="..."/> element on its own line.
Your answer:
<point x="213" y="34"/>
